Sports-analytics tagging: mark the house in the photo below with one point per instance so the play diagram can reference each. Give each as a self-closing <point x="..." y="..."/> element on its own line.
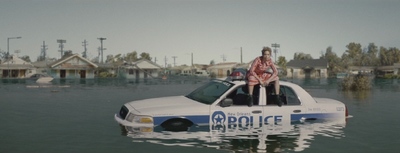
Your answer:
<point x="361" y="69"/>
<point x="176" y="70"/>
<point x="73" y="66"/>
<point x="196" y="69"/>
<point x="43" y="67"/>
<point x="222" y="69"/>
<point x="310" y="68"/>
<point x="141" y="69"/>
<point x="388" y="70"/>
<point x="15" y="67"/>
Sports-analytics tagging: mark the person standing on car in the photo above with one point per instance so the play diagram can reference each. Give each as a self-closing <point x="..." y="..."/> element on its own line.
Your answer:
<point x="259" y="74"/>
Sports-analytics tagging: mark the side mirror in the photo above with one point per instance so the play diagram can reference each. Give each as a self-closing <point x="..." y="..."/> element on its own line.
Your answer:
<point x="226" y="102"/>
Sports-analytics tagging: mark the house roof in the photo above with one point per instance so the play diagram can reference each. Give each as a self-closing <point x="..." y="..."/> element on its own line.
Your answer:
<point x="16" y="63"/>
<point x="310" y="63"/>
<point x="42" y="64"/>
<point x="67" y="58"/>
<point x="145" y="64"/>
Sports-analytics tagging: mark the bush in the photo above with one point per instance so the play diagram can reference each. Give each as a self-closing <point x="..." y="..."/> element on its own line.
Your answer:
<point x="391" y="76"/>
<point x="356" y="83"/>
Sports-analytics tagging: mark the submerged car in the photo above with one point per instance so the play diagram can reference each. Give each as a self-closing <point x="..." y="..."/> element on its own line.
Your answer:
<point x="224" y="103"/>
<point x="41" y="78"/>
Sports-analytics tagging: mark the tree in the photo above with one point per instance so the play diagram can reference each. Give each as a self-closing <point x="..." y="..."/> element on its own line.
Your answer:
<point x="302" y="56"/>
<point x="212" y="62"/>
<point x="372" y="58"/>
<point x="282" y="64"/>
<point x="3" y="55"/>
<point x="354" y="54"/>
<point x="281" y="61"/>
<point x="110" y="58"/>
<point x="384" y="56"/>
<point x="26" y="58"/>
<point x="394" y="55"/>
<point x="145" y="55"/>
<point x="131" y="57"/>
<point x="333" y="62"/>
<point x="68" y="53"/>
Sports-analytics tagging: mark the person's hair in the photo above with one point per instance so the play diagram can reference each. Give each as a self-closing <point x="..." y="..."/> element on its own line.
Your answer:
<point x="266" y="49"/>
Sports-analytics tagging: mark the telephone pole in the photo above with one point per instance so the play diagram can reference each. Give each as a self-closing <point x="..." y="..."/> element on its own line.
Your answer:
<point x="101" y="42"/>
<point x="61" y="41"/>
<point x="43" y="52"/>
<point x="174" y="57"/>
<point x="241" y="56"/>
<point x="165" y="62"/>
<point x="84" y="44"/>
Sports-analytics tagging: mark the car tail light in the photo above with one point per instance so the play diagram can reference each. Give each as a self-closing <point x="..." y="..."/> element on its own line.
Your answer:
<point x="347" y="112"/>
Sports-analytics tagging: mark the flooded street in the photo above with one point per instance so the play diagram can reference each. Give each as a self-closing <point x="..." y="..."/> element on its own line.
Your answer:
<point x="77" y="116"/>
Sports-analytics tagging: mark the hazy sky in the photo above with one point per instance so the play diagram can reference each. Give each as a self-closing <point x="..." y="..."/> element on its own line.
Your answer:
<point x="210" y="29"/>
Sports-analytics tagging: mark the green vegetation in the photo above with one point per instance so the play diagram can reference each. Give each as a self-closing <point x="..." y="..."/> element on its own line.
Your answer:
<point x="356" y="83"/>
<point x="104" y="73"/>
<point x="356" y="55"/>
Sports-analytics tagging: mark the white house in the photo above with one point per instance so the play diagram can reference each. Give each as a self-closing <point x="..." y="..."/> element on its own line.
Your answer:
<point x="16" y="67"/>
<point x="141" y="69"/>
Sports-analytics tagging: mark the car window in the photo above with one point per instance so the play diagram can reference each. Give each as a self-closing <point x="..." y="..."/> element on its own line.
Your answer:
<point x="289" y="95"/>
<point x="239" y="95"/>
<point x="210" y="92"/>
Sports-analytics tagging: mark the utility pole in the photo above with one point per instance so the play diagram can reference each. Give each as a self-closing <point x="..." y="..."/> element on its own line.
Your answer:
<point x="275" y="45"/>
<point x="98" y="54"/>
<point x="241" y="56"/>
<point x="165" y="62"/>
<point x="101" y="42"/>
<point x="223" y="56"/>
<point x="84" y="44"/>
<point x="43" y="52"/>
<point x="61" y="41"/>
<point x="174" y="57"/>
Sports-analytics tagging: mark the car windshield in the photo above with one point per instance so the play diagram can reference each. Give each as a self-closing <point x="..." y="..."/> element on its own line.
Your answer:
<point x="210" y="92"/>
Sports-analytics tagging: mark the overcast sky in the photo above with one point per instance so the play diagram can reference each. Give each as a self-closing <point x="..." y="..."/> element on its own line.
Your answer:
<point x="210" y="29"/>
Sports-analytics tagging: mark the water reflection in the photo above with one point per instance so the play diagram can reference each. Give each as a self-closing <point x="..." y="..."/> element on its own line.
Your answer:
<point x="264" y="138"/>
<point x="357" y="95"/>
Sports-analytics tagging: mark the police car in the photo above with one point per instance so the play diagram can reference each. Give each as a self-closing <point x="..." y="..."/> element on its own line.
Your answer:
<point x="224" y="103"/>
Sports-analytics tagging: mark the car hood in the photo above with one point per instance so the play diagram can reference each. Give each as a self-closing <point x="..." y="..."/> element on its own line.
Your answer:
<point x="168" y="105"/>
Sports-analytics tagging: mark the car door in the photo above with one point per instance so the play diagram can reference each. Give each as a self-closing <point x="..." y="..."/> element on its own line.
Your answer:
<point x="292" y="102"/>
<point x="237" y="116"/>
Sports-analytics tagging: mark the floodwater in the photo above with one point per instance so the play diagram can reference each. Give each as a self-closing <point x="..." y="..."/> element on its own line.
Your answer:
<point x="77" y="116"/>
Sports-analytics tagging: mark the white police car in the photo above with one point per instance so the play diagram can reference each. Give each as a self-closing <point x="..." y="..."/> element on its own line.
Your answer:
<point x="223" y="103"/>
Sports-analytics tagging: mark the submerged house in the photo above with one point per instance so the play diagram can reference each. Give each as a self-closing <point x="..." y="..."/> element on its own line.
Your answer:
<point x="15" y="67"/>
<point x="222" y="69"/>
<point x="310" y="68"/>
<point x="141" y="69"/>
<point x="72" y="67"/>
<point x="388" y="70"/>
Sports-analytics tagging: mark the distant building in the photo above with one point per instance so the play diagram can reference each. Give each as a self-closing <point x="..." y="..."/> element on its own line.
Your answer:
<point x="141" y="69"/>
<point x="16" y="67"/>
<point x="222" y="69"/>
<point x="388" y="70"/>
<point x="311" y="68"/>
<point x="73" y="66"/>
